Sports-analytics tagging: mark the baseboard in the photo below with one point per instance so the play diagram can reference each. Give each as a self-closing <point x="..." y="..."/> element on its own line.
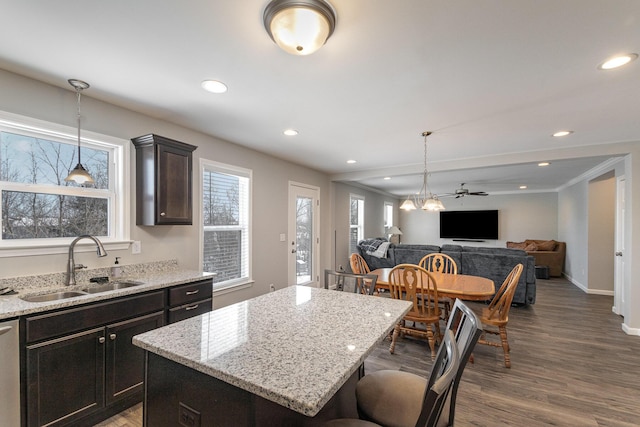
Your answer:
<point x="587" y="290"/>
<point x="630" y="331"/>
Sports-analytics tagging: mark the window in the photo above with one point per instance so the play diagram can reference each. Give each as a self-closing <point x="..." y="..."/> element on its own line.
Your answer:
<point x="356" y="222"/>
<point x="226" y="232"/>
<point x="38" y="207"/>
<point x="388" y="215"/>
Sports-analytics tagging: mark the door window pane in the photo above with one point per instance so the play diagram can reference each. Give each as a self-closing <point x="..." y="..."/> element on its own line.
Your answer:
<point x="304" y="239"/>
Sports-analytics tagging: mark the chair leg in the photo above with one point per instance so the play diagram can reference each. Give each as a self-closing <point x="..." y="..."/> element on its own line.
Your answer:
<point x="394" y="337"/>
<point x="432" y="343"/>
<point x="505" y="346"/>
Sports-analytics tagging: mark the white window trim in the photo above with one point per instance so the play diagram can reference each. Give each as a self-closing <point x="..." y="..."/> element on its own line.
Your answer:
<point x="121" y="200"/>
<point x="359" y="226"/>
<point x="230" y="285"/>
<point x="387" y="223"/>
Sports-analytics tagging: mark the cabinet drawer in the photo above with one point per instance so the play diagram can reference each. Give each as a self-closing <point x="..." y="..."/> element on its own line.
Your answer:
<point x="186" y="311"/>
<point x="191" y="292"/>
<point x="64" y="322"/>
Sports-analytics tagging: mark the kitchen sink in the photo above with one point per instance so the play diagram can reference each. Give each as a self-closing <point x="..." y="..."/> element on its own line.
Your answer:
<point x="111" y="286"/>
<point x="53" y="296"/>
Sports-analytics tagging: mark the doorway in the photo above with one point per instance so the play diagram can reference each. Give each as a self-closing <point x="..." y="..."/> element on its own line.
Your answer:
<point x="303" y="231"/>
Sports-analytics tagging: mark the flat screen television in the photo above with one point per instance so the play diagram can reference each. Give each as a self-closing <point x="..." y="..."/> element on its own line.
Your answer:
<point x="469" y="225"/>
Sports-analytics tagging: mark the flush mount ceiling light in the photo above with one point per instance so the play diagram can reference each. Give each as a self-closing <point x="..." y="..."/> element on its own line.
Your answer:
<point x="618" y="61"/>
<point x="290" y="132"/>
<point x="299" y="27"/>
<point x="427" y="202"/>
<point x="562" y="133"/>
<point x="214" y="86"/>
<point x="79" y="174"/>
<point x="543" y="164"/>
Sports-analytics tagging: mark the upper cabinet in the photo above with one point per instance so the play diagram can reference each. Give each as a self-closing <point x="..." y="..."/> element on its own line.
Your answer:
<point x="163" y="181"/>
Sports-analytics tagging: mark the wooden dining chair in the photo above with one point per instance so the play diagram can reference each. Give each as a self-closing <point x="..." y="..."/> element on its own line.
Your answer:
<point x="431" y="397"/>
<point x="410" y="282"/>
<point x="357" y="283"/>
<point x="440" y="263"/>
<point x="496" y="315"/>
<point x="358" y="264"/>
<point x="383" y="395"/>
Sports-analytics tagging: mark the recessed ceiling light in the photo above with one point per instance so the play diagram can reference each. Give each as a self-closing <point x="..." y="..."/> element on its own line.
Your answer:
<point x="563" y="133"/>
<point x="290" y="132"/>
<point x="351" y="161"/>
<point x="387" y="178"/>
<point x="214" y="86"/>
<point x="543" y="164"/>
<point x="618" y="61"/>
<point x="523" y="187"/>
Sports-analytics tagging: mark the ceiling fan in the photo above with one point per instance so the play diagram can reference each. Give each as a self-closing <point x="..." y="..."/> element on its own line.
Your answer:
<point x="461" y="192"/>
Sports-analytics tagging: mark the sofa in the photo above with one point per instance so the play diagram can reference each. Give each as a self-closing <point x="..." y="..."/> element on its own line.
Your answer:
<point x="545" y="252"/>
<point x="492" y="263"/>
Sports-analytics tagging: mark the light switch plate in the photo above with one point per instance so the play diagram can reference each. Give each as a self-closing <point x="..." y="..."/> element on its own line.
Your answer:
<point x="136" y="247"/>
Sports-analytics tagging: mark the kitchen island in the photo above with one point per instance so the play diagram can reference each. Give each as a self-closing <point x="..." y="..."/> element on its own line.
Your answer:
<point x="290" y="357"/>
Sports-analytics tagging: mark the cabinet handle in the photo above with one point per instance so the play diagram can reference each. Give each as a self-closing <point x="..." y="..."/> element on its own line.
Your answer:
<point x="192" y="292"/>
<point x="191" y="307"/>
<point x="162" y="214"/>
<point x="101" y="340"/>
<point x="112" y="337"/>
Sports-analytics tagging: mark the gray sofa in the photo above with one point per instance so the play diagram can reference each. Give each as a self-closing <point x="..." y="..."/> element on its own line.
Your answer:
<point x="490" y="262"/>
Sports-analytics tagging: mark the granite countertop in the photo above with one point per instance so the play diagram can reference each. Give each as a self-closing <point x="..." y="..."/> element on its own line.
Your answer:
<point x="156" y="275"/>
<point x="296" y="346"/>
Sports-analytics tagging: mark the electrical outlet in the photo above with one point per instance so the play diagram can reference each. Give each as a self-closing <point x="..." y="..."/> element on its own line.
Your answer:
<point x="283" y="237"/>
<point x="136" y="247"/>
<point x="272" y="288"/>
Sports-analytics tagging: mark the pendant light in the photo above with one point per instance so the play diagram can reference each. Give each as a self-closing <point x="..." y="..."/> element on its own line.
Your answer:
<point x="299" y="27"/>
<point x="79" y="174"/>
<point x="425" y="198"/>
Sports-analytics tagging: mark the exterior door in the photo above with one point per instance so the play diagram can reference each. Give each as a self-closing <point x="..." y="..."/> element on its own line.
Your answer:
<point x="303" y="241"/>
<point x="619" y="299"/>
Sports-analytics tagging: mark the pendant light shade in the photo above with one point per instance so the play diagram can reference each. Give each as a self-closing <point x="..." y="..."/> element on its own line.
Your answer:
<point x="79" y="174"/>
<point x="299" y="27"/>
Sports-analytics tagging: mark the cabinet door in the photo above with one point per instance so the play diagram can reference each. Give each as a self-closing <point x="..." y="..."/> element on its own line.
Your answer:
<point x="125" y="361"/>
<point x="65" y="378"/>
<point x="173" y="185"/>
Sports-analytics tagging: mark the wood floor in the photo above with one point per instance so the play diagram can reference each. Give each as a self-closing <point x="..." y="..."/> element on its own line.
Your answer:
<point x="571" y="366"/>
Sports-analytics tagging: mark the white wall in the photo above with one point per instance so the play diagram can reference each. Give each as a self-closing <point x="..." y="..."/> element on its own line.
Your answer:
<point x="520" y="217"/>
<point x="31" y="98"/>
<point x="573" y="208"/>
<point x="373" y="220"/>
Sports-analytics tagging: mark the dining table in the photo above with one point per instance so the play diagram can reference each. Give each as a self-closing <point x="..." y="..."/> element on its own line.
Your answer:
<point x="460" y="286"/>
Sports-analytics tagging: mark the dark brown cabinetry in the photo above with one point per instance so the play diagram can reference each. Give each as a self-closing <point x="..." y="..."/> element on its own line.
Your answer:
<point x="81" y="362"/>
<point x="163" y="181"/>
<point x="189" y="300"/>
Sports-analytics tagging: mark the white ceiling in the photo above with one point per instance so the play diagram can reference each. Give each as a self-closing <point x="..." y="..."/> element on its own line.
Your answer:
<point x="492" y="79"/>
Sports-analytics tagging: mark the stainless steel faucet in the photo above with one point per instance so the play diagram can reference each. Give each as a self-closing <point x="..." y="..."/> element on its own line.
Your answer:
<point x="71" y="265"/>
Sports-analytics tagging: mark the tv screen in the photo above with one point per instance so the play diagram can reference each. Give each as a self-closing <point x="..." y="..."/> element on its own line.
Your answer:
<point x="471" y="225"/>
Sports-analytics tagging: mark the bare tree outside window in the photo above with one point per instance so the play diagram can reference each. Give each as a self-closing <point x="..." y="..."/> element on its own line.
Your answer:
<point x="36" y="202"/>
<point x="225" y="228"/>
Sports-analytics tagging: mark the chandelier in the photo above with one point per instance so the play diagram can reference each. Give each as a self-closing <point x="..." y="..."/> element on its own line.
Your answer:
<point x="425" y="198"/>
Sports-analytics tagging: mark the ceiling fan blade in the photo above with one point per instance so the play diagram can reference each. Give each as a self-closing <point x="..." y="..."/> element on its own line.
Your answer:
<point x="478" y="193"/>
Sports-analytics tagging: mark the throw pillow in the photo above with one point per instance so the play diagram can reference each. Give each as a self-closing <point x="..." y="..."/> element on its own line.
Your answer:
<point x="516" y="245"/>
<point x="549" y="245"/>
<point x="531" y="247"/>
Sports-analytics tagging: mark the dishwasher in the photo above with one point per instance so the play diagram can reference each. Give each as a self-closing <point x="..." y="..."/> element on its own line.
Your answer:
<point x="9" y="374"/>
